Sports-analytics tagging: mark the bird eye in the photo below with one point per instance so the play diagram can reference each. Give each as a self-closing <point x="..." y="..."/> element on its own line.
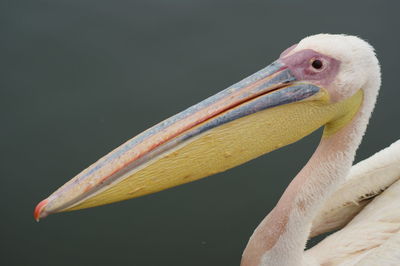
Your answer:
<point x="317" y="64"/>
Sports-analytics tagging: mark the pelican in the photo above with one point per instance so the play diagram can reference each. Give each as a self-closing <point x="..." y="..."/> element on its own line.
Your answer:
<point x="324" y="80"/>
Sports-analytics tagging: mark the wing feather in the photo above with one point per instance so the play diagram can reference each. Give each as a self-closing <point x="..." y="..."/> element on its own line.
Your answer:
<point x="366" y="180"/>
<point x="387" y="254"/>
<point x="373" y="233"/>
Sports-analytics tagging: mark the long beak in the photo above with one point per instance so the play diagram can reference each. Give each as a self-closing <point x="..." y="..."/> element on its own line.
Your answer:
<point x="259" y="114"/>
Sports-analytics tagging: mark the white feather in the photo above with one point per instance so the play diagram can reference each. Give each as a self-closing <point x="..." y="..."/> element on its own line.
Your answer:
<point x="367" y="179"/>
<point x="373" y="236"/>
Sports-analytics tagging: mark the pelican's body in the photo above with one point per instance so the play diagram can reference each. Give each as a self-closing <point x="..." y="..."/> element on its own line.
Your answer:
<point x="367" y="208"/>
<point x="372" y="236"/>
<point x="324" y="80"/>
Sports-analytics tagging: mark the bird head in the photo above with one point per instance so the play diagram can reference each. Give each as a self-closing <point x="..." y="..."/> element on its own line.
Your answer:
<point x="342" y="64"/>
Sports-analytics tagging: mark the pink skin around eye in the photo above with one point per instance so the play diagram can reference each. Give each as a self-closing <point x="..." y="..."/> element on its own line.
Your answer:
<point x="300" y="65"/>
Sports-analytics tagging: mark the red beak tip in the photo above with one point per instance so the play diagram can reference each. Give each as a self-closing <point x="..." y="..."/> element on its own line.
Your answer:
<point x="38" y="209"/>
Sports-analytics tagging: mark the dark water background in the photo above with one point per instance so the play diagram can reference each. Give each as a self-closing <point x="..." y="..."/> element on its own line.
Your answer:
<point x="78" y="78"/>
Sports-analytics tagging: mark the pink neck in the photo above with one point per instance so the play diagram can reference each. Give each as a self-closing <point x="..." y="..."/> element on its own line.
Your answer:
<point x="281" y="237"/>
